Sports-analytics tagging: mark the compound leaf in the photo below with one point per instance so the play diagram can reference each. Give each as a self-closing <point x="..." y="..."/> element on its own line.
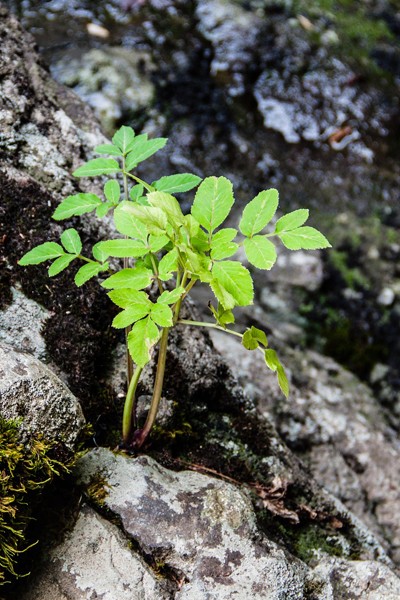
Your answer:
<point x="135" y="278"/>
<point x="87" y="272"/>
<point x="141" y="339"/>
<point x="162" y="315"/>
<point x="124" y="297"/>
<point x="259" y="212"/>
<point x="304" y="238"/>
<point x="112" y="191"/>
<point x="76" y="205"/>
<point x="96" y="167"/>
<point x="71" y="241"/>
<point x="141" y="148"/>
<point x="41" y="253"/>
<point x="60" y="264"/>
<point x="108" y="149"/>
<point x="128" y="224"/>
<point x="168" y="264"/>
<point x="123" y="138"/>
<point x="222" y="245"/>
<point x="171" y="297"/>
<point x="292" y="220"/>
<point x="173" y="184"/>
<point x="169" y="205"/>
<point x="236" y="280"/>
<point x="260" y="252"/>
<point x="130" y="315"/>
<point x="123" y="248"/>
<point x="213" y="202"/>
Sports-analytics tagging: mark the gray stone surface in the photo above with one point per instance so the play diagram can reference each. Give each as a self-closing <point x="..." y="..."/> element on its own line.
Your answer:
<point x="333" y="422"/>
<point x="95" y="561"/>
<point x="31" y="392"/>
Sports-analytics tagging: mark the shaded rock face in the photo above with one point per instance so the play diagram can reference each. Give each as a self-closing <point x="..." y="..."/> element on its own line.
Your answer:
<point x="31" y="392"/>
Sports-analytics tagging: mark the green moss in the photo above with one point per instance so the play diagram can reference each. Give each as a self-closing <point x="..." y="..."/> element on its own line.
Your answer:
<point x="353" y="277"/>
<point x="97" y="490"/>
<point x="25" y="469"/>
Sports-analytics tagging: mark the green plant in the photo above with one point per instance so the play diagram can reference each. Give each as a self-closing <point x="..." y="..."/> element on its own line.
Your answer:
<point x="194" y="249"/>
<point x="25" y="468"/>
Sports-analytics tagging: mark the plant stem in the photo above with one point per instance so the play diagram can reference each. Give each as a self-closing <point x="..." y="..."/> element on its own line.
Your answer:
<point x="128" y="416"/>
<point x="141" y="434"/>
<point x="148" y="187"/>
<point x="155" y="271"/>
<point x="129" y="362"/>
<point x="211" y="325"/>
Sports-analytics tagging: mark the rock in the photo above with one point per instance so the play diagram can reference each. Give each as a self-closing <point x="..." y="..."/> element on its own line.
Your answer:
<point x="31" y="392"/>
<point x="386" y="297"/>
<point x="95" y="561"/>
<point x="335" y="425"/>
<point x="115" y="82"/>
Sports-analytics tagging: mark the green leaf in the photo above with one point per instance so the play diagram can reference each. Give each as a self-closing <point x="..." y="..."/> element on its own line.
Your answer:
<point x="304" y="238"/>
<point x="123" y="248"/>
<point x="76" y="205"/>
<point x="137" y="278"/>
<point x="260" y="252"/>
<point x="96" y="167"/>
<point x="103" y="209"/>
<point x="222" y="316"/>
<point x="130" y="315"/>
<point x="173" y="184"/>
<point x="124" y="138"/>
<point x="253" y="337"/>
<point x="259" y="212"/>
<point x="71" y="241"/>
<point x="136" y="192"/>
<point x="112" y="191"/>
<point x="108" y="149"/>
<point x="171" y="297"/>
<point x="154" y="219"/>
<point x="162" y="315"/>
<point x="168" y="264"/>
<point x="141" y="339"/>
<point x="41" y="253"/>
<point x="169" y="205"/>
<point x="157" y="242"/>
<point x="141" y="149"/>
<point x="60" y="264"/>
<point x="213" y="202"/>
<point x="236" y="280"/>
<point x="125" y="297"/>
<point x="98" y="253"/>
<point x="128" y="224"/>
<point x="87" y="272"/>
<point x="283" y="381"/>
<point x="222" y="295"/>
<point x="292" y="220"/>
<point x="222" y="245"/>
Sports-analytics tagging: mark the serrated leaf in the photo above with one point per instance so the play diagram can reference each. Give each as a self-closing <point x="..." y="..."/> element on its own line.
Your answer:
<point x="98" y="253"/>
<point x="162" y="315"/>
<point x="60" y="264"/>
<point x="292" y="220"/>
<point x="136" y="278"/>
<point x="173" y="184"/>
<point x="259" y="212"/>
<point x="168" y="264"/>
<point x="236" y="280"/>
<point x="136" y="192"/>
<point x="253" y="337"/>
<point x="71" y="241"/>
<point x="222" y="245"/>
<point x="222" y="316"/>
<point x="304" y="238"/>
<point x="260" y="252"/>
<point x="154" y="219"/>
<point x="141" y="149"/>
<point x="141" y="339"/>
<point x="124" y="297"/>
<point x="130" y="315"/>
<point x="112" y="191"/>
<point x="157" y="242"/>
<point x="103" y="209"/>
<point x="123" y="248"/>
<point x="41" y="253"/>
<point x="87" y="272"/>
<point x="168" y="204"/>
<point x="128" y="224"/>
<point x="123" y="138"/>
<point x="76" y="205"/>
<point x="222" y="295"/>
<point x="108" y="149"/>
<point x="97" y="167"/>
<point x="213" y="202"/>
<point x="171" y="297"/>
<point x="283" y="381"/>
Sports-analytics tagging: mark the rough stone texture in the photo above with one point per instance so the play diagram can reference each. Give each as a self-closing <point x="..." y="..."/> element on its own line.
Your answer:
<point x="29" y="390"/>
<point x="206" y="531"/>
<point x="335" y="425"/>
<point x="95" y="561"/>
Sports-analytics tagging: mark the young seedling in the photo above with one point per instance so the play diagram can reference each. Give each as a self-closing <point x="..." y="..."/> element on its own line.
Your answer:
<point x="161" y="245"/>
